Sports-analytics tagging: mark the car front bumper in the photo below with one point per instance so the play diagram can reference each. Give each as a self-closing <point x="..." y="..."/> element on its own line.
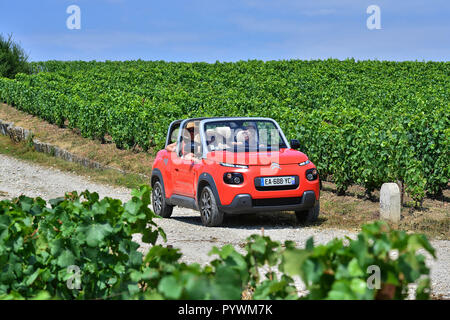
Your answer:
<point x="243" y="203"/>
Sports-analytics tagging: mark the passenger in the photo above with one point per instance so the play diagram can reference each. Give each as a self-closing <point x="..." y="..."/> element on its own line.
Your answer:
<point x="197" y="150"/>
<point x="188" y="137"/>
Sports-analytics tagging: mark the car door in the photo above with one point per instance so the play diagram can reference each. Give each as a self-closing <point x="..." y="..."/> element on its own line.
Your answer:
<point x="185" y="172"/>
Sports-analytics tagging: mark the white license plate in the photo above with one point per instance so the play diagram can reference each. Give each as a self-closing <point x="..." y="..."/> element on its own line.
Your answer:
<point x="277" y="181"/>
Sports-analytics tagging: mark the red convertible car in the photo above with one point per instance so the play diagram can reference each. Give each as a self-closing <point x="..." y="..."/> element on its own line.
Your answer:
<point x="236" y="165"/>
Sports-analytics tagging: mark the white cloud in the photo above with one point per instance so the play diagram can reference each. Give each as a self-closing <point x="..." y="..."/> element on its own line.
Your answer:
<point x="96" y="41"/>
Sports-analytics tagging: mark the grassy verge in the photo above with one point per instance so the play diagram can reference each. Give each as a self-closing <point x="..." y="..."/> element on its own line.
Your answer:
<point x="23" y="151"/>
<point x="354" y="209"/>
<point x="105" y="153"/>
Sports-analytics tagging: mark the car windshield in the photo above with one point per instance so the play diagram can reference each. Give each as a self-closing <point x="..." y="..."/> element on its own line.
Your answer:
<point x="243" y="136"/>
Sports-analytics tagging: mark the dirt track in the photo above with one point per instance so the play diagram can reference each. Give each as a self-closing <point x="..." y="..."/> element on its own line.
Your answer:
<point x="184" y="229"/>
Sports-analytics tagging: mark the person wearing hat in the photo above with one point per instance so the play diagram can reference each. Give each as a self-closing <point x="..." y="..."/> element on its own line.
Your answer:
<point x="188" y="136"/>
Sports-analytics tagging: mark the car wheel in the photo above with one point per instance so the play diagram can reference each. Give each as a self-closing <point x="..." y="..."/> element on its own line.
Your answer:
<point x="209" y="212"/>
<point x="308" y="216"/>
<point x="160" y="206"/>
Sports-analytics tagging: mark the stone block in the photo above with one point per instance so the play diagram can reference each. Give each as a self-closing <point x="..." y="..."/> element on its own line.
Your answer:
<point x="390" y="205"/>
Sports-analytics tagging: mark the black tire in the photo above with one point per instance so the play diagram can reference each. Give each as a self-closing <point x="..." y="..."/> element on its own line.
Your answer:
<point x="159" y="203"/>
<point x="209" y="212"/>
<point x="309" y="216"/>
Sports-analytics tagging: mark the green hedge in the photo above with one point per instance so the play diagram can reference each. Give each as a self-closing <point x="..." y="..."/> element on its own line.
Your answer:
<point x="41" y="245"/>
<point x="363" y="122"/>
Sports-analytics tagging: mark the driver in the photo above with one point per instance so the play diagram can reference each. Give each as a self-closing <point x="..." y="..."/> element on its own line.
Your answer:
<point x="247" y="137"/>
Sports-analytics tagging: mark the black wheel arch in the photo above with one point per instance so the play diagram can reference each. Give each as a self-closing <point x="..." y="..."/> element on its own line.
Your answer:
<point x="157" y="176"/>
<point x="205" y="179"/>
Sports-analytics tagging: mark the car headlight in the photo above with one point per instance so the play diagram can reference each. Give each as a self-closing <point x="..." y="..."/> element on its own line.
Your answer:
<point x="233" y="178"/>
<point x="229" y="165"/>
<point x="311" y="174"/>
<point x="304" y="163"/>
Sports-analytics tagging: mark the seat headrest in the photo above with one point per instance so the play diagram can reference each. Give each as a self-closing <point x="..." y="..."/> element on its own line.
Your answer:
<point x="210" y="133"/>
<point x="224" y="131"/>
<point x="240" y="136"/>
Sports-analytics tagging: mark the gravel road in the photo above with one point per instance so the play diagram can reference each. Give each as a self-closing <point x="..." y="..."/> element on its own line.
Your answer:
<point x="184" y="229"/>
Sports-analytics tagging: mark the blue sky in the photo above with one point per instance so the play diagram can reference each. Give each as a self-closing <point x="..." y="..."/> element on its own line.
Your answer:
<point x="211" y="30"/>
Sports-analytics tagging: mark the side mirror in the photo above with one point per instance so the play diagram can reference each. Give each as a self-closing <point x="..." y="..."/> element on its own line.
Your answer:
<point x="295" y="144"/>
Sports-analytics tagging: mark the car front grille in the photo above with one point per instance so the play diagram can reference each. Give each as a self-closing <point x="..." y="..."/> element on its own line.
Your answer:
<point x="276" y="201"/>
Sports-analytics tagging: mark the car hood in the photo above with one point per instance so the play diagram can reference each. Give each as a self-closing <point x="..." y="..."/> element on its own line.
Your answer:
<point x="283" y="156"/>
